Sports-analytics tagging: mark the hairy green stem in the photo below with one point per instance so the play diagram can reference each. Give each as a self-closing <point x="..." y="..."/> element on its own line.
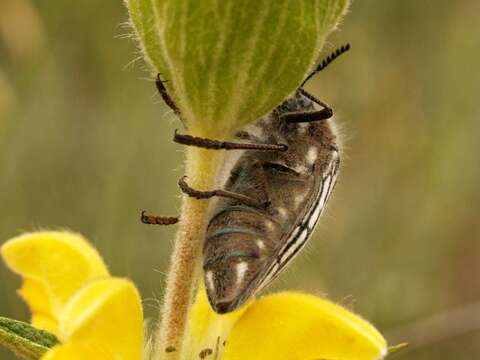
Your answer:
<point x="183" y="275"/>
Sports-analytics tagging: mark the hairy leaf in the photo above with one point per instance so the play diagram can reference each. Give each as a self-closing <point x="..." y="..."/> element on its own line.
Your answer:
<point x="24" y="340"/>
<point x="229" y="62"/>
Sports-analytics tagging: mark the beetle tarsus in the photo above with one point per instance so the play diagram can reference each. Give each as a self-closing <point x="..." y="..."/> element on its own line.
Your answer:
<point x="157" y="220"/>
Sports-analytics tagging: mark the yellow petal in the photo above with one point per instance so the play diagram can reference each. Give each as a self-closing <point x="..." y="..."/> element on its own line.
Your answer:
<point x="103" y="320"/>
<point x="34" y="294"/>
<point x="71" y="352"/>
<point x="54" y="266"/>
<point x="294" y="326"/>
<point x="45" y="322"/>
<point x="208" y="330"/>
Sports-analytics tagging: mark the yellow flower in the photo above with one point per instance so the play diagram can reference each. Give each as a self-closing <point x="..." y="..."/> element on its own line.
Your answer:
<point x="96" y="316"/>
<point x="283" y="326"/>
<point x="71" y="294"/>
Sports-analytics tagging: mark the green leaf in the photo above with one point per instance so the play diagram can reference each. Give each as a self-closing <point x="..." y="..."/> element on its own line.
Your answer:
<point x="24" y="340"/>
<point x="229" y="62"/>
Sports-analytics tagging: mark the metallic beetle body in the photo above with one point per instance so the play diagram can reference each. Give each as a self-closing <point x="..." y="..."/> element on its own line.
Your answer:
<point x="246" y="246"/>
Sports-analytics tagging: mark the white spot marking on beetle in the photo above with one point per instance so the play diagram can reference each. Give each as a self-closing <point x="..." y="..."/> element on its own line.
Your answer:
<point x="210" y="282"/>
<point x="298" y="199"/>
<point x="292" y="237"/>
<point x="294" y="233"/>
<point x="269" y="225"/>
<point x="302" y="128"/>
<point x="303" y="236"/>
<point x="314" y="217"/>
<point x="325" y="192"/>
<point x="335" y="155"/>
<point x="260" y="244"/>
<point x="301" y="169"/>
<point x="282" y="212"/>
<point x="255" y="131"/>
<point x="312" y="154"/>
<point x="294" y="248"/>
<point x="241" y="270"/>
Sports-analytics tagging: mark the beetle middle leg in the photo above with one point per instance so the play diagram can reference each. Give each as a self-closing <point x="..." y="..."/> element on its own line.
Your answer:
<point x="201" y="195"/>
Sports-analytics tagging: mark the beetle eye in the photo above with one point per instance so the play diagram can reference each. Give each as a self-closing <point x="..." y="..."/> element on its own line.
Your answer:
<point x="279" y="168"/>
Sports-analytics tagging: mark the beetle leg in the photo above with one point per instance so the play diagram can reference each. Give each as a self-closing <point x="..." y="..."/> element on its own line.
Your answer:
<point x="164" y="94"/>
<point x="309" y="116"/>
<point x="157" y="220"/>
<point x="198" y="194"/>
<point x="224" y="145"/>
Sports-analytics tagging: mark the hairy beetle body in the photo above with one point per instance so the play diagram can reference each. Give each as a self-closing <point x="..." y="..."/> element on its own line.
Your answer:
<point x="273" y="195"/>
<point x="247" y="246"/>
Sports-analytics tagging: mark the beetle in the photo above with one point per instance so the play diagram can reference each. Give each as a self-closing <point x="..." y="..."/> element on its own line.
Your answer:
<point x="272" y="198"/>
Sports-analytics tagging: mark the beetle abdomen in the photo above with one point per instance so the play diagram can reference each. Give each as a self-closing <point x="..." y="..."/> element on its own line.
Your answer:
<point x="239" y="241"/>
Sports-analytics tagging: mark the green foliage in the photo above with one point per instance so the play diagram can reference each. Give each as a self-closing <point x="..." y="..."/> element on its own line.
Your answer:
<point x="24" y="340"/>
<point x="228" y="62"/>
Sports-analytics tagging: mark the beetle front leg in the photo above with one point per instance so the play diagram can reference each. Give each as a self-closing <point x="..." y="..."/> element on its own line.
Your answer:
<point x="224" y="145"/>
<point x="309" y="116"/>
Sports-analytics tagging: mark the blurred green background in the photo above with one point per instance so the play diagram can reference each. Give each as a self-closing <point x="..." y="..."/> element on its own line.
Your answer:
<point x="85" y="144"/>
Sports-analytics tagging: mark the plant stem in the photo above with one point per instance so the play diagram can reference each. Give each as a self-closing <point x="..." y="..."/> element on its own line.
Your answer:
<point x="183" y="275"/>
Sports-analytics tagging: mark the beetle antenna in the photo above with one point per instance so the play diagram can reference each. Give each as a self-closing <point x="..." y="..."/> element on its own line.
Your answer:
<point x="322" y="65"/>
